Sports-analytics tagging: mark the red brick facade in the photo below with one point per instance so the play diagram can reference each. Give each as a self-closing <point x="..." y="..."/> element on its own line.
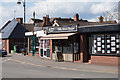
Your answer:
<point x="105" y="60"/>
<point x="6" y="45"/>
<point x="30" y="54"/>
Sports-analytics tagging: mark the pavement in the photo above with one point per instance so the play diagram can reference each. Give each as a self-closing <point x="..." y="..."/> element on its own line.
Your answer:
<point x="60" y="69"/>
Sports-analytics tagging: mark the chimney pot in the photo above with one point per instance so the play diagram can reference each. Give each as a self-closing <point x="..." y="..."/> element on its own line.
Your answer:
<point x="44" y="20"/>
<point x="20" y="20"/>
<point x="101" y="19"/>
<point x="76" y="17"/>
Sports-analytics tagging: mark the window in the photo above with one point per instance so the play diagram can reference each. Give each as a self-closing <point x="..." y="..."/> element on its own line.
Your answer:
<point x="45" y="48"/>
<point x="67" y="47"/>
<point x="107" y="44"/>
<point x="64" y="46"/>
<point x="70" y="45"/>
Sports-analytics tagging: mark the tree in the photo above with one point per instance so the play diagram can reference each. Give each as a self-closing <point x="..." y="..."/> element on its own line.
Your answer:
<point x="113" y="14"/>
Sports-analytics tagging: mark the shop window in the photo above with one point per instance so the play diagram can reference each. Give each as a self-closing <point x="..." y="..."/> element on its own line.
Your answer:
<point x="57" y="44"/>
<point x="105" y="44"/>
<point x="70" y="45"/>
<point x="45" y="48"/>
<point x="76" y="47"/>
<point x="67" y="48"/>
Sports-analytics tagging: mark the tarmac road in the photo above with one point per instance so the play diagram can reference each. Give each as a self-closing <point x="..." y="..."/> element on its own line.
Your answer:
<point x="18" y="66"/>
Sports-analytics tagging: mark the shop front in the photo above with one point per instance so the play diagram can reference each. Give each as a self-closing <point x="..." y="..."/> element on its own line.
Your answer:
<point x="102" y="43"/>
<point x="33" y="46"/>
<point x="33" y="42"/>
<point x="62" y="40"/>
<point x="105" y="48"/>
<point x="65" y="43"/>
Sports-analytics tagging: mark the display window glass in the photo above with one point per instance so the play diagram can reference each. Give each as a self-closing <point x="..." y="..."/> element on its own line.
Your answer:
<point x="105" y="44"/>
<point x="45" y="48"/>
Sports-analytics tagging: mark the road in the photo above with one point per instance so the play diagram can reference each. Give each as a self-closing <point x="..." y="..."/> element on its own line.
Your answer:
<point x="18" y="66"/>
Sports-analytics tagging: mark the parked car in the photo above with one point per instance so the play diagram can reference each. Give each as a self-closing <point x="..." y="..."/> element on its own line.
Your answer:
<point x="3" y="52"/>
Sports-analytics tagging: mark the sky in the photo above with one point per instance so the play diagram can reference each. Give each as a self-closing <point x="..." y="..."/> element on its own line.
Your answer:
<point x="87" y="9"/>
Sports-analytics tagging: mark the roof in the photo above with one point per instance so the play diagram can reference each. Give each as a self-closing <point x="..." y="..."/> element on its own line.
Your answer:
<point x="99" y="28"/>
<point x="5" y="25"/>
<point x="13" y="30"/>
<point x="66" y="21"/>
<point x="36" y="20"/>
<point x="6" y="32"/>
<point x="40" y="24"/>
<point x="79" y="23"/>
<point x="28" y="27"/>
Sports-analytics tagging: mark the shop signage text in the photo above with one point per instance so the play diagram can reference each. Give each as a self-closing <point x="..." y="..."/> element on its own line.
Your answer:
<point x="63" y="29"/>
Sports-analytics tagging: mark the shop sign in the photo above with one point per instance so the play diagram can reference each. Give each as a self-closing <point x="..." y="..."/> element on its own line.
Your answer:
<point x="63" y="29"/>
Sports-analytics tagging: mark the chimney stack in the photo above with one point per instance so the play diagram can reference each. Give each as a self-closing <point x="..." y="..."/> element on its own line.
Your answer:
<point x="44" y="21"/>
<point x="101" y="19"/>
<point x="76" y="17"/>
<point x="47" y="20"/>
<point x="20" y="20"/>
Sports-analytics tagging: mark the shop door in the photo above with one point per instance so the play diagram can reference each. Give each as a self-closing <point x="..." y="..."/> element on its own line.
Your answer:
<point x="45" y="48"/>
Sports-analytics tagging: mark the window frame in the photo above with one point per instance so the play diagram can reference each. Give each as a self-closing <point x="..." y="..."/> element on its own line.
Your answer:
<point x="105" y="45"/>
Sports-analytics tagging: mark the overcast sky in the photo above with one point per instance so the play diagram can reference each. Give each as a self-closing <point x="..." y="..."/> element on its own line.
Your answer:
<point x="87" y="9"/>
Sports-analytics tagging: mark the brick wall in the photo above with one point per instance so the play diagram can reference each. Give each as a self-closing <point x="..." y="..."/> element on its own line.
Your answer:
<point x="30" y="54"/>
<point x="5" y="45"/>
<point x="36" y="54"/>
<point x="105" y="60"/>
<point x="8" y="46"/>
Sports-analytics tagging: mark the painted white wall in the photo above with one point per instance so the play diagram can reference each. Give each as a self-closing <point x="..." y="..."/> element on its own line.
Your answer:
<point x="30" y="21"/>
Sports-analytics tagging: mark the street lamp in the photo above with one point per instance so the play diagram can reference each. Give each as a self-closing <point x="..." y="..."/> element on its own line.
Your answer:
<point x="23" y="2"/>
<point x="34" y="38"/>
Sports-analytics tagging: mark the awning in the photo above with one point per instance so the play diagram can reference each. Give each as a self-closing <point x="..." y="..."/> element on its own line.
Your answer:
<point x="58" y="36"/>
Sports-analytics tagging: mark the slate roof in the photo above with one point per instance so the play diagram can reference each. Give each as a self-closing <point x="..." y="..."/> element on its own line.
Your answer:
<point x="13" y="30"/>
<point x="28" y="27"/>
<point x="5" y="25"/>
<point x="6" y="32"/>
<point x="99" y="28"/>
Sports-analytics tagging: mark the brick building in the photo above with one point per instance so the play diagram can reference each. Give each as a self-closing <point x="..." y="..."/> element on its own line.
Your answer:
<point x="91" y="42"/>
<point x="78" y="40"/>
<point x="13" y="34"/>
